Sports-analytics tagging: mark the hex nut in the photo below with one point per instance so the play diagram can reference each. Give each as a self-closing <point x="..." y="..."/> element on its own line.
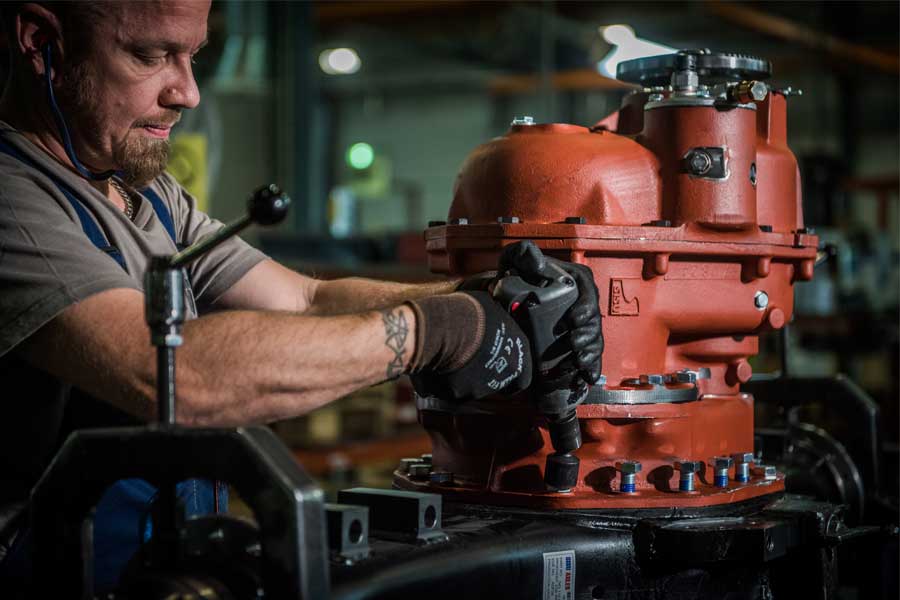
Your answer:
<point x="768" y="472"/>
<point x="406" y="463"/>
<point x="699" y="162"/>
<point x="628" y="467"/>
<point x="742" y="457"/>
<point x="440" y="477"/>
<point x="426" y="458"/>
<point x="653" y="379"/>
<point x="761" y="300"/>
<point x="419" y="471"/>
<point x="759" y="91"/>
<point x="685" y="376"/>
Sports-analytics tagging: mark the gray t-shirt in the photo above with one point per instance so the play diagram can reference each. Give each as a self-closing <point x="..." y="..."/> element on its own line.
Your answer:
<point x="47" y="263"/>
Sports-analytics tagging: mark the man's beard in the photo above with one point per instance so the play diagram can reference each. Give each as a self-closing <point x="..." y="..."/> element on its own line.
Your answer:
<point x="140" y="159"/>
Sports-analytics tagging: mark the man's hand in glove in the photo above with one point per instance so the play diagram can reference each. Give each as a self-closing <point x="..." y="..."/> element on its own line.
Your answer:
<point x="468" y="347"/>
<point x="582" y="319"/>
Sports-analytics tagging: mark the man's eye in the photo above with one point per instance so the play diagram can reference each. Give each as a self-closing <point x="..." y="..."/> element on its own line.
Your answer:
<point x="149" y="60"/>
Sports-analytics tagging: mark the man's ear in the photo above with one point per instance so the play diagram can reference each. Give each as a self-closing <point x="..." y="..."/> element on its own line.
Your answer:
<point x="35" y="27"/>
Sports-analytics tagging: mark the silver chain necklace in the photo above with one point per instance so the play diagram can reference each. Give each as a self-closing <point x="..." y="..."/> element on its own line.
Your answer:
<point x="129" y="204"/>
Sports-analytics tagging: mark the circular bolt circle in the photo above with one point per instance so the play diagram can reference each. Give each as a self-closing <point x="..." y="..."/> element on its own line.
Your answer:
<point x="761" y="300"/>
<point x="700" y="162"/>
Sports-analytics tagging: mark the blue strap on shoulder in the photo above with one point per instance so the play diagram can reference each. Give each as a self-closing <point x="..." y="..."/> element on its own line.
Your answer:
<point x="162" y="212"/>
<point x="88" y="225"/>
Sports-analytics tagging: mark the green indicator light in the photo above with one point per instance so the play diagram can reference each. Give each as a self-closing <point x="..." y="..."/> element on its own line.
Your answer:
<point x="360" y="156"/>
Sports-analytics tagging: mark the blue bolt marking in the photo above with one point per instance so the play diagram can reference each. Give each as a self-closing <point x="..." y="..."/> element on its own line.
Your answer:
<point x="686" y="485"/>
<point x="742" y="479"/>
<point x="721" y="481"/>
<point x="628" y="488"/>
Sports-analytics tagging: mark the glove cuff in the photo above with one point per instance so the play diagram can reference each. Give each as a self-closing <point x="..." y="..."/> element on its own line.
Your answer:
<point x="449" y="331"/>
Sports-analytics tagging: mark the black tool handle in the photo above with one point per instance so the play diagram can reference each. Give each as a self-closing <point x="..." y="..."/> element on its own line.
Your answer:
<point x="267" y="205"/>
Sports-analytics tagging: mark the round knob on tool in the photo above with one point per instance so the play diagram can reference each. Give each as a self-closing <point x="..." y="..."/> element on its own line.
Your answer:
<point x="268" y="205"/>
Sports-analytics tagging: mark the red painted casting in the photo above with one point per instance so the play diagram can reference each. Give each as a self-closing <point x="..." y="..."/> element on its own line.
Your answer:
<point x="681" y="263"/>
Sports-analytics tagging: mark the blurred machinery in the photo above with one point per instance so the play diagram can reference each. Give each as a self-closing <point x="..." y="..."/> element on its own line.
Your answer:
<point x="686" y="206"/>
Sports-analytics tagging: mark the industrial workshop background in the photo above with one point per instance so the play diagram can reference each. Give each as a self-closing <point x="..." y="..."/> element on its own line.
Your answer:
<point x="364" y="111"/>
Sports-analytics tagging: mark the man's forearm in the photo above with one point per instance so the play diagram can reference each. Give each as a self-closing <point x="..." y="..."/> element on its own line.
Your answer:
<point x="245" y="366"/>
<point x="355" y="294"/>
<point x="235" y="367"/>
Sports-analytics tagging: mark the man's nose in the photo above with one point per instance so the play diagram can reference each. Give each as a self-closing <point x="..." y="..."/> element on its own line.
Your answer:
<point x="182" y="90"/>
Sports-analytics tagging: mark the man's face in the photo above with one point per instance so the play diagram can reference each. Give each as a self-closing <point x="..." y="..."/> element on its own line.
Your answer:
<point x="125" y="90"/>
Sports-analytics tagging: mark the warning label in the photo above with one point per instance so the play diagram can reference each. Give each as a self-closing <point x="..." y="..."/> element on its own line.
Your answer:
<point x="559" y="575"/>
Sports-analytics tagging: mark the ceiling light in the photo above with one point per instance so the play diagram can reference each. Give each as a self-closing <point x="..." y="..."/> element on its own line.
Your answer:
<point x="360" y="156"/>
<point x="339" y="61"/>
<point x="627" y="46"/>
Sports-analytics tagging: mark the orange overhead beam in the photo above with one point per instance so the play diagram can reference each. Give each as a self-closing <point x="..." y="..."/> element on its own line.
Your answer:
<point x="573" y="80"/>
<point x="791" y="31"/>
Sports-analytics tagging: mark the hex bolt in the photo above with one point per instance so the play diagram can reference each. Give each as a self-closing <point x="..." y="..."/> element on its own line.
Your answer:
<point x="685" y="376"/>
<point x="419" y="471"/>
<point x="507" y="219"/>
<point x="459" y="221"/>
<point x="441" y="477"/>
<point x="426" y="458"/>
<point x="653" y="379"/>
<point x="767" y="472"/>
<point x="721" y="464"/>
<point x="406" y="463"/>
<point x="628" y="470"/>
<point x="760" y="300"/>
<point x="576" y="220"/>
<point x="749" y="91"/>
<point x="699" y="162"/>
<point x="655" y="98"/>
<point x="687" y="468"/>
<point x="742" y="462"/>
<point x="526" y="120"/>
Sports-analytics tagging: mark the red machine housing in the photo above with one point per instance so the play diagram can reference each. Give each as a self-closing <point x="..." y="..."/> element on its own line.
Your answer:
<point x="680" y="262"/>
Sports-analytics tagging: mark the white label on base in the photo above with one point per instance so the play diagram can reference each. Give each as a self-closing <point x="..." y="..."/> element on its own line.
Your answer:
<point x="559" y="575"/>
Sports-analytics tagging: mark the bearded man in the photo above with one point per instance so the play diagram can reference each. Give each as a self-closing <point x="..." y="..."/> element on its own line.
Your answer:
<point x="93" y="93"/>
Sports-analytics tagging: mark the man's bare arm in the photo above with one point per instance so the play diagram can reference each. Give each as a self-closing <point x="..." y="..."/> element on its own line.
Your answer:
<point x="270" y="286"/>
<point x="235" y="367"/>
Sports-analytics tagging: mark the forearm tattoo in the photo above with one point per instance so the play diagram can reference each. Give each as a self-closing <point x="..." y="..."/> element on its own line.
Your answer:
<point x="395" y="330"/>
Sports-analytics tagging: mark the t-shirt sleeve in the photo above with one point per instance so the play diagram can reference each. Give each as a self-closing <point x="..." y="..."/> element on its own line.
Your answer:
<point x="219" y="269"/>
<point x="47" y="263"/>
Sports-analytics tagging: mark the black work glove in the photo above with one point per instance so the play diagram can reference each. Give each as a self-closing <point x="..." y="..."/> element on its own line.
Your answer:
<point x="468" y="347"/>
<point x="583" y="317"/>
